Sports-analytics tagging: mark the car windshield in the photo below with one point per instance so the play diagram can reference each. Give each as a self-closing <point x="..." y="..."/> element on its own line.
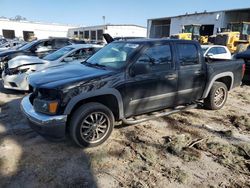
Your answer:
<point x="58" y="54"/>
<point x="114" y="55"/>
<point x="28" y="45"/>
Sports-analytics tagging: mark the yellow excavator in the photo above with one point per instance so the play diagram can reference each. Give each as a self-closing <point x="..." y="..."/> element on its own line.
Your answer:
<point x="236" y="37"/>
<point x="191" y="32"/>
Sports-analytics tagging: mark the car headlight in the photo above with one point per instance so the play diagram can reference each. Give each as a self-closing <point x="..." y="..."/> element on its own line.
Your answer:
<point x="45" y="106"/>
<point x="14" y="71"/>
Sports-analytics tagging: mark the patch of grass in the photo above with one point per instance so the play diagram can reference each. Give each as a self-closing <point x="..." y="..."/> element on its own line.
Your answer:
<point x="245" y="97"/>
<point x="230" y="156"/>
<point x="242" y="122"/>
<point x="178" y="145"/>
<point x="175" y="174"/>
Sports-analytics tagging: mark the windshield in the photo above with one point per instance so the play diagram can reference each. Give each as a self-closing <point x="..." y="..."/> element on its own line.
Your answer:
<point x="194" y="29"/>
<point x="114" y="55"/>
<point x="58" y="54"/>
<point x="27" y="46"/>
<point x="246" y="29"/>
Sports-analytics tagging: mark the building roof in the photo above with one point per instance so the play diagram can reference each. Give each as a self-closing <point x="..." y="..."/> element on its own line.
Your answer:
<point x="198" y="13"/>
<point x="105" y="25"/>
<point x="36" y="22"/>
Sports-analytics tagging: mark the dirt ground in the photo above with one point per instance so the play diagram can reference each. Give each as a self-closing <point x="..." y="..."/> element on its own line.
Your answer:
<point x="196" y="148"/>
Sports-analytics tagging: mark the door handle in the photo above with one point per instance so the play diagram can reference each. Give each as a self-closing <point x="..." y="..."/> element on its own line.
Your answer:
<point x="171" y="76"/>
<point x="198" y="72"/>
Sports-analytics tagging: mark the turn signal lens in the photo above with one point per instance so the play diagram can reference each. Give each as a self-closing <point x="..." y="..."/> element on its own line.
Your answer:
<point x="53" y="107"/>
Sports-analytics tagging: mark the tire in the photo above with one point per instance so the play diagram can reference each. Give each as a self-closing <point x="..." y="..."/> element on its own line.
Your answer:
<point x="218" y="89"/>
<point x="86" y="126"/>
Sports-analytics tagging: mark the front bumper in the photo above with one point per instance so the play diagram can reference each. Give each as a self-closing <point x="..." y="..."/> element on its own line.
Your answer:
<point x="16" y="82"/>
<point x="51" y="127"/>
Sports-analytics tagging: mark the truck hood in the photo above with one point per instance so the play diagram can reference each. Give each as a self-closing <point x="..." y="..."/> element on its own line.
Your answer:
<point x="25" y="60"/>
<point x="66" y="74"/>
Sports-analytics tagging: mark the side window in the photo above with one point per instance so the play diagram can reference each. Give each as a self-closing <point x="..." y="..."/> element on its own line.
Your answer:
<point x="158" y="57"/>
<point x="212" y="51"/>
<point x="188" y="54"/>
<point x="43" y="46"/>
<point x="82" y="53"/>
<point x="221" y="50"/>
<point x="61" y="43"/>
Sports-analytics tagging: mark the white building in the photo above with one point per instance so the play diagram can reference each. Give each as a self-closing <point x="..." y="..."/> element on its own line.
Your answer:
<point x="94" y="33"/>
<point x="21" y="29"/>
<point x="209" y="21"/>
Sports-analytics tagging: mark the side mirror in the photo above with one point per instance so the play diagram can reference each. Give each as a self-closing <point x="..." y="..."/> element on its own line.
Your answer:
<point x="139" y="68"/>
<point x="210" y="55"/>
<point x="68" y="59"/>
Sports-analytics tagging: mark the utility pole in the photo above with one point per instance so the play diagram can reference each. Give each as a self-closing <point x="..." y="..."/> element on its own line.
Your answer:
<point x="103" y="18"/>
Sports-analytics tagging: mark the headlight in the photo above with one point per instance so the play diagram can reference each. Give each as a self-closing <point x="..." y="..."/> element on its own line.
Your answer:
<point x="15" y="71"/>
<point x="46" y="107"/>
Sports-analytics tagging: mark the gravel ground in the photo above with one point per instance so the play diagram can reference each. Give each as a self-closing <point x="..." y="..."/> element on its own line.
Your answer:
<point x="195" y="148"/>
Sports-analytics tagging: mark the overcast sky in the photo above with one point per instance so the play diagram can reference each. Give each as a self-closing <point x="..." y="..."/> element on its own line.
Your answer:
<point x="90" y="12"/>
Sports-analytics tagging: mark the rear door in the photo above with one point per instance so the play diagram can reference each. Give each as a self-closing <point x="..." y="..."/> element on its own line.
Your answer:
<point x="156" y="89"/>
<point x="192" y="72"/>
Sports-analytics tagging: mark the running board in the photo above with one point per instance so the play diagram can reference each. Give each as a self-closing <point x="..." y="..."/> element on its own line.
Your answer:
<point x="131" y="122"/>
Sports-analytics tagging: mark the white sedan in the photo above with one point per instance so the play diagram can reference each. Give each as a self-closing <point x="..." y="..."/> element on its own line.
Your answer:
<point x="15" y="75"/>
<point x="216" y="52"/>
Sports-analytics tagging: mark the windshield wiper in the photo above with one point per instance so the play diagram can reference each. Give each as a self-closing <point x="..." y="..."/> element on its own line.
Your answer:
<point x="93" y="64"/>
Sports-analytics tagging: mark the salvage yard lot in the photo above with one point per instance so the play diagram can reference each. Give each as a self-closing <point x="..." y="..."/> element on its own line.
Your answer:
<point x="196" y="148"/>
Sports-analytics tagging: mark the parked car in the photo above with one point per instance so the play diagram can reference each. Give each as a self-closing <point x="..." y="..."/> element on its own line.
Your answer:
<point x="216" y="52"/>
<point x="122" y="80"/>
<point x="2" y="40"/>
<point x="246" y="57"/>
<point x="38" y="48"/>
<point x="12" y="44"/>
<point x="15" y="75"/>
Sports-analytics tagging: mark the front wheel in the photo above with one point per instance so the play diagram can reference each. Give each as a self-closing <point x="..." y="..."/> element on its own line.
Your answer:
<point x="217" y="96"/>
<point x="91" y="124"/>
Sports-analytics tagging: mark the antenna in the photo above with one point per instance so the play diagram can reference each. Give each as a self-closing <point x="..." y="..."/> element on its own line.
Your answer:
<point x="104" y="20"/>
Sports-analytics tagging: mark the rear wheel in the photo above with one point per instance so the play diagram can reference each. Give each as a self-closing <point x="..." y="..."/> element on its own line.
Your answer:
<point x="217" y="96"/>
<point x="91" y="124"/>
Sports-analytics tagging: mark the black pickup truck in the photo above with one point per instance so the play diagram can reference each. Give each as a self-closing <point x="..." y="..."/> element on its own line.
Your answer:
<point x="123" y="80"/>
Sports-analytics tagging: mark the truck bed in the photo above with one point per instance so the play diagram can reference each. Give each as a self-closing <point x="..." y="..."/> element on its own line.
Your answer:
<point x="233" y="66"/>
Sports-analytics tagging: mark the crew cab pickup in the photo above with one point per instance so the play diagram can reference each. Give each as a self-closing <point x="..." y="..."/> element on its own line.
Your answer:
<point x="123" y="80"/>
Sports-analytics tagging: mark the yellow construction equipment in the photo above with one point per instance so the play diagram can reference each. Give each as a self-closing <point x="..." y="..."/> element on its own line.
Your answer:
<point x="236" y="37"/>
<point x="189" y="32"/>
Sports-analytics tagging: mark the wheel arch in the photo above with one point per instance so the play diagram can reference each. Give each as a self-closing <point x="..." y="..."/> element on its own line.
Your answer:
<point x="226" y="77"/>
<point x="108" y="97"/>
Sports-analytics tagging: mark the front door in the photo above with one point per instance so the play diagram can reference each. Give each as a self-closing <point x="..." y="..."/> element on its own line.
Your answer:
<point x="153" y="90"/>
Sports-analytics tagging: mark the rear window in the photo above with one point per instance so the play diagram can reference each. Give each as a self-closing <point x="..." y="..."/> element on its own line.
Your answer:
<point x="188" y="54"/>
